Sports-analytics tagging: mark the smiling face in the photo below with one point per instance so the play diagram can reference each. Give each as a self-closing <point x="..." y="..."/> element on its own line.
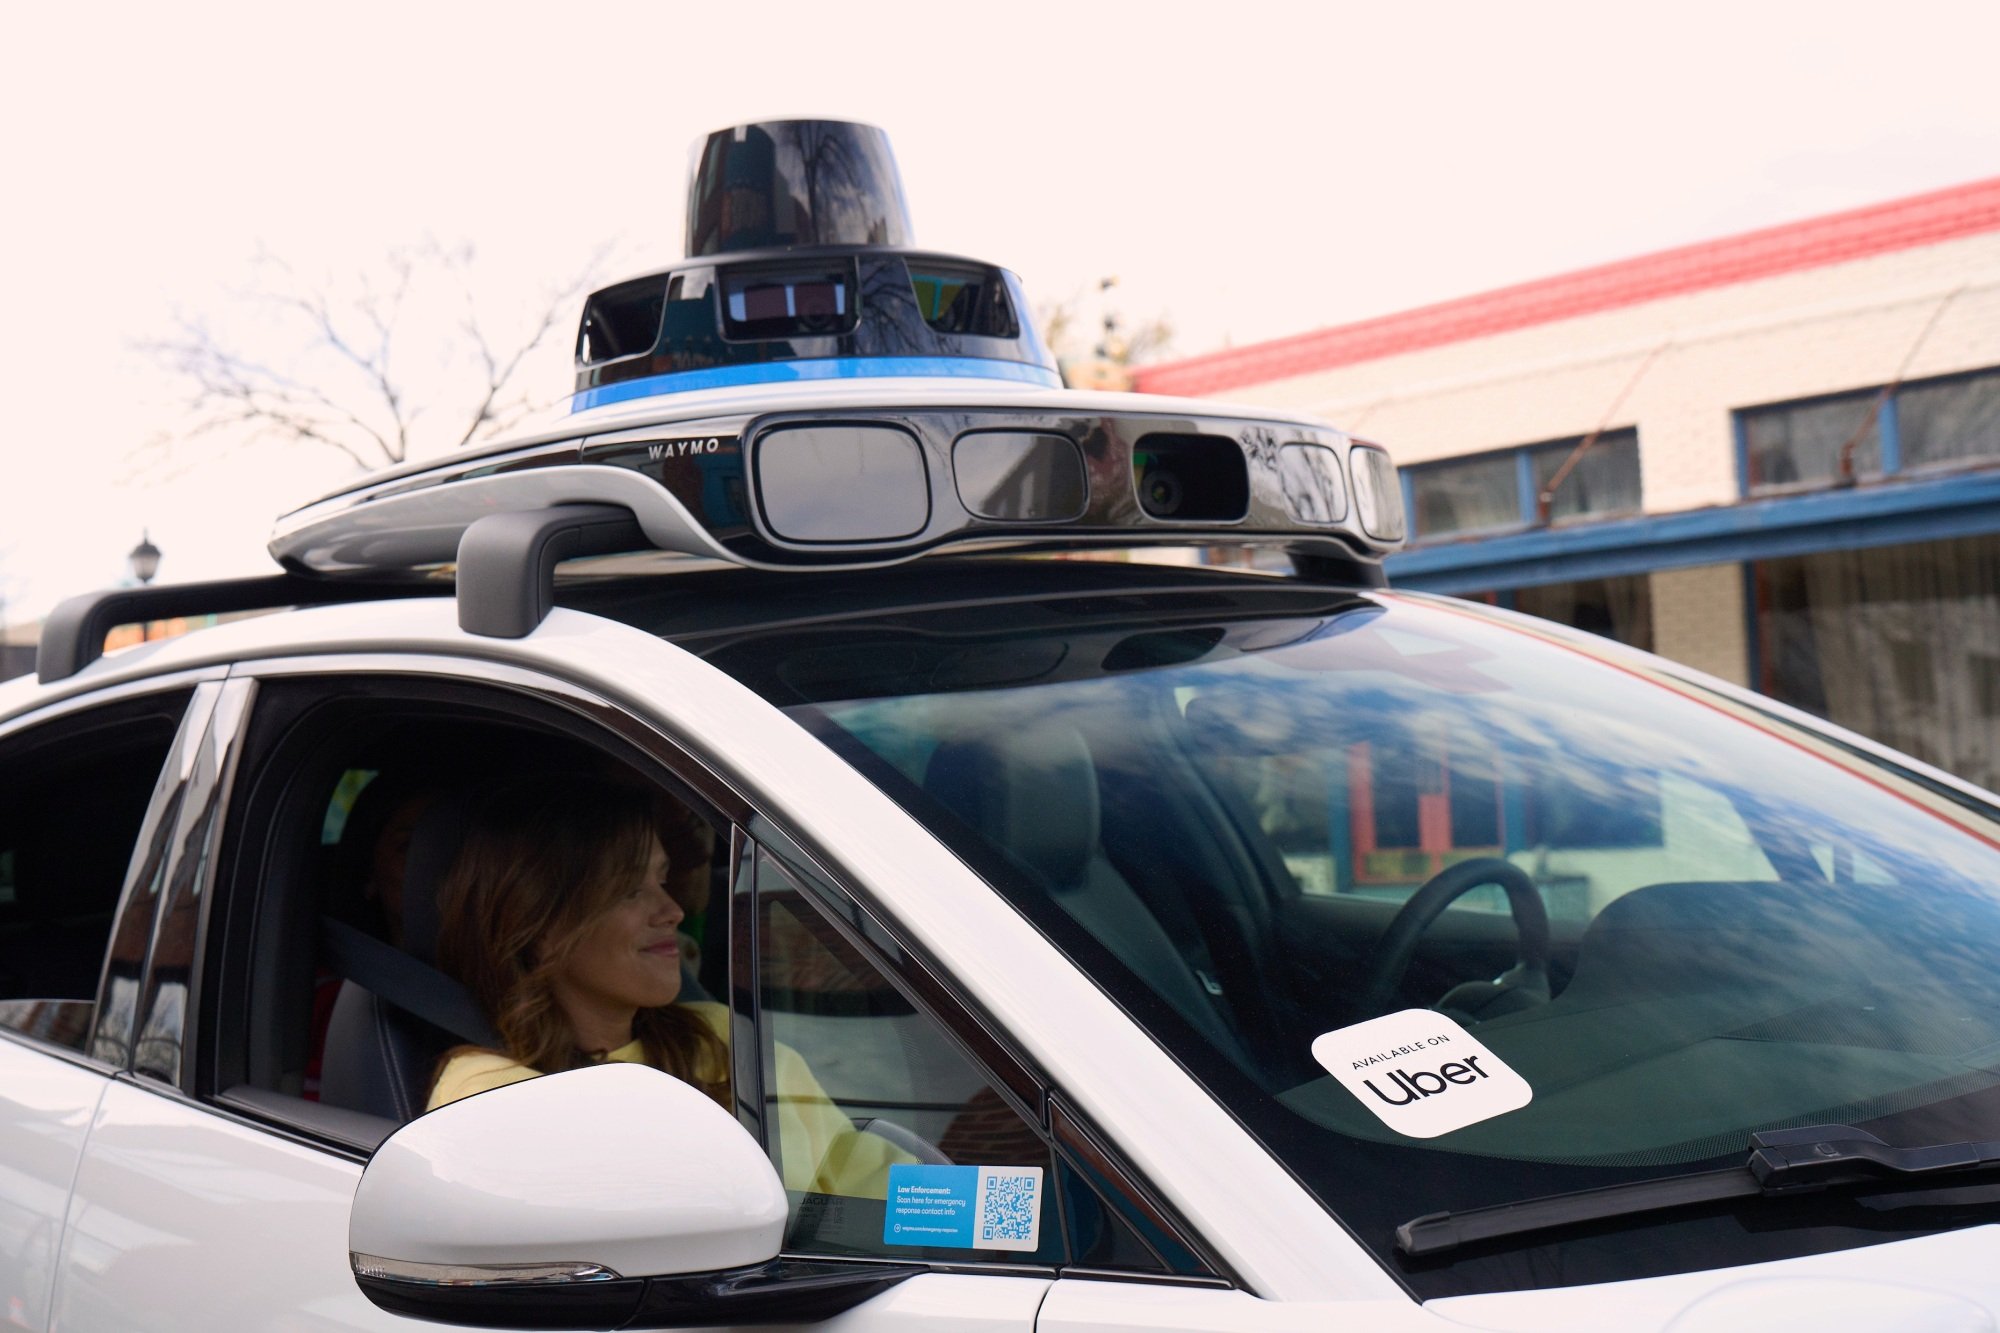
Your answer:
<point x="626" y="959"/>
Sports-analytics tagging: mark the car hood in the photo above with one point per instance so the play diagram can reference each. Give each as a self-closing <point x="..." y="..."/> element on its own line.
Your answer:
<point x="1933" y="1284"/>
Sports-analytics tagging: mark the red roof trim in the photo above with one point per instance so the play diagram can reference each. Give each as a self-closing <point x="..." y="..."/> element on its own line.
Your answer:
<point x="1901" y="224"/>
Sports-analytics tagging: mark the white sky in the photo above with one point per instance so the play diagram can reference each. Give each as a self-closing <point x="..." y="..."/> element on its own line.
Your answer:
<point x="1247" y="170"/>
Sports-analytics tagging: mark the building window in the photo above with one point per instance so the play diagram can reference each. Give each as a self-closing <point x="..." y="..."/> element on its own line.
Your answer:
<point x="1466" y="495"/>
<point x="1603" y="481"/>
<point x="1950" y="421"/>
<point x="1871" y="433"/>
<point x="1817" y="443"/>
<point x="1493" y="491"/>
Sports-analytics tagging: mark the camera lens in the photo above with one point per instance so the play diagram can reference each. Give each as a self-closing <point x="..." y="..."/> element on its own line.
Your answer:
<point x="1190" y="478"/>
<point x="1160" y="492"/>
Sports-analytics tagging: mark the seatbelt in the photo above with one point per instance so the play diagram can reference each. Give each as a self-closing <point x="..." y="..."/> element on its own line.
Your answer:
<point x="398" y="979"/>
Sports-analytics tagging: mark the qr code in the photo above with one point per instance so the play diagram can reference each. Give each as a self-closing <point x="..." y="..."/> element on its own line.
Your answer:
<point x="1007" y="1211"/>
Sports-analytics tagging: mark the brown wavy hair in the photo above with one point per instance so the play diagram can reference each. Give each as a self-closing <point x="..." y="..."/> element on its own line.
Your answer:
<point x="538" y="864"/>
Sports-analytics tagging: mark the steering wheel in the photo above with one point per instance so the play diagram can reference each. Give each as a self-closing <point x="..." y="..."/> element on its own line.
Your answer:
<point x="1527" y="982"/>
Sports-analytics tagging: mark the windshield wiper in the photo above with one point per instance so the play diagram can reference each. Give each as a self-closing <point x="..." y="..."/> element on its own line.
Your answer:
<point x="1781" y="1162"/>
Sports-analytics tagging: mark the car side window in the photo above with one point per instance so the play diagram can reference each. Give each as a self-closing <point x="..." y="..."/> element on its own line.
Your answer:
<point x="890" y="1142"/>
<point x="77" y="790"/>
<point x="356" y="991"/>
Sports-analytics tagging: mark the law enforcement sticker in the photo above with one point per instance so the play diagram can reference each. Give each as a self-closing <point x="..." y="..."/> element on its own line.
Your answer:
<point x="964" y="1207"/>
<point x="1420" y="1073"/>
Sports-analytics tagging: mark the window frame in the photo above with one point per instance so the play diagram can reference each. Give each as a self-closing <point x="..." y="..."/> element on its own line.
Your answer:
<point x="1885" y="428"/>
<point x="254" y="874"/>
<point x="134" y="915"/>
<point x="1526" y="493"/>
<point x="1893" y="410"/>
<point x="1889" y="428"/>
<point x="1524" y="510"/>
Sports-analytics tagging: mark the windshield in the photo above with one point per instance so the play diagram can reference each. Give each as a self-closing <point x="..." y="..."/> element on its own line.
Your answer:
<point x="1228" y="822"/>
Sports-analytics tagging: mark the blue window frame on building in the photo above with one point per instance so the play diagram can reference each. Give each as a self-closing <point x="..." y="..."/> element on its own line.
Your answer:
<point x="1870" y="434"/>
<point x="1500" y="491"/>
<point x="1949" y="421"/>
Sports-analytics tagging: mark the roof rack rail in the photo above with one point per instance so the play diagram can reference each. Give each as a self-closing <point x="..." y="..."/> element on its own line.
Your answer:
<point x="507" y="562"/>
<point x="73" y="635"/>
<point x="505" y="582"/>
<point x="505" y="585"/>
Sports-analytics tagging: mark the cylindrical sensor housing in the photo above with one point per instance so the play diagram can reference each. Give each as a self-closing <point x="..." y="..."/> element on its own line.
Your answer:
<point x="785" y="184"/>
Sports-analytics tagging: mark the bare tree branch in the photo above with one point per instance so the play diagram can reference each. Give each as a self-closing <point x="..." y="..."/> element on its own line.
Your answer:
<point x="500" y="373"/>
<point x="230" y="390"/>
<point x="353" y="366"/>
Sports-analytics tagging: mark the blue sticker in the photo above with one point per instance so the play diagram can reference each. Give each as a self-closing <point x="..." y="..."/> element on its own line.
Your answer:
<point x="964" y="1207"/>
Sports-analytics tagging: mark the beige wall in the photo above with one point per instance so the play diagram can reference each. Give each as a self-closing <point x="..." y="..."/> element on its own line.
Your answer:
<point x="1699" y="620"/>
<point x="1684" y="365"/>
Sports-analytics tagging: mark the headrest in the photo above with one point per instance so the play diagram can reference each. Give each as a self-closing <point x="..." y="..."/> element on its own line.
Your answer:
<point x="1032" y="791"/>
<point x="1681" y="938"/>
<point x="434" y="844"/>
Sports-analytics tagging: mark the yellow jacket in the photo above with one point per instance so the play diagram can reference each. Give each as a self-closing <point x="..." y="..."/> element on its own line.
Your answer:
<point x="819" y="1150"/>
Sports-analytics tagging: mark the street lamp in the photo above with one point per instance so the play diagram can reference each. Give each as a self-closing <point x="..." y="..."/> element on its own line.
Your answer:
<point x="144" y="559"/>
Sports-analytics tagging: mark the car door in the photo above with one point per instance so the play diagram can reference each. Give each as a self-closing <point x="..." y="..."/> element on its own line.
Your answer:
<point x="212" y="1193"/>
<point x="88" y="791"/>
<point x="183" y="1215"/>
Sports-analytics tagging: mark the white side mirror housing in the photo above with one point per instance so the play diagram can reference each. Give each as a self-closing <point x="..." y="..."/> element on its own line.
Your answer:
<point x="581" y="1200"/>
<point x="618" y="1165"/>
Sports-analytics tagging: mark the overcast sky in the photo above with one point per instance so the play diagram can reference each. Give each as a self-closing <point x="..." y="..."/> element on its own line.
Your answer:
<point x="1245" y="170"/>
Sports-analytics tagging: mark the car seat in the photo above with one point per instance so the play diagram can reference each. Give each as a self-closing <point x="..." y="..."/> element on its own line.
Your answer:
<point x="396" y="1013"/>
<point x="1032" y="792"/>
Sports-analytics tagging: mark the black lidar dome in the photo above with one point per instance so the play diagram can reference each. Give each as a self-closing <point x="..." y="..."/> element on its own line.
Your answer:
<point x="790" y="183"/>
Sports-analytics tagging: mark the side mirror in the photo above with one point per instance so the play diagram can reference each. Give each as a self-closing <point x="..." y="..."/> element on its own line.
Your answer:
<point x="588" y="1199"/>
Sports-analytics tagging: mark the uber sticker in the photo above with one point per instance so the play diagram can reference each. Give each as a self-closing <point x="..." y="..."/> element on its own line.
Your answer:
<point x="964" y="1207"/>
<point x="1420" y="1073"/>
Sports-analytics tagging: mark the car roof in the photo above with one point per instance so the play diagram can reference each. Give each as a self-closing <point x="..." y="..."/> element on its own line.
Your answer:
<point x="704" y="603"/>
<point x="704" y="608"/>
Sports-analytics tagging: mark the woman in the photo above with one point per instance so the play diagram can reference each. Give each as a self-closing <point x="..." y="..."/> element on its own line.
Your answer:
<point x="556" y="915"/>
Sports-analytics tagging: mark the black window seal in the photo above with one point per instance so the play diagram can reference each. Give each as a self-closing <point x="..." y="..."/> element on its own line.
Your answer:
<point x="187" y="891"/>
<point x="55" y="1050"/>
<point x="258" y="1109"/>
<point x="746" y="1022"/>
<point x="1077" y="1136"/>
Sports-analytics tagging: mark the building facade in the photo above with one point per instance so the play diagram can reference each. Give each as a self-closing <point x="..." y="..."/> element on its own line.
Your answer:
<point x="1775" y="456"/>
